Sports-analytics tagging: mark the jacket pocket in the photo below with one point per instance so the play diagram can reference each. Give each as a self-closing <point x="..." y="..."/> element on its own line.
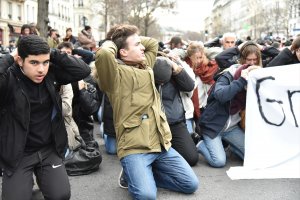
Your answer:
<point x="136" y="133"/>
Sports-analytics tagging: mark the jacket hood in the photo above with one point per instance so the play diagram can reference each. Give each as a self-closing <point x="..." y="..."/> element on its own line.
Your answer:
<point x="162" y="70"/>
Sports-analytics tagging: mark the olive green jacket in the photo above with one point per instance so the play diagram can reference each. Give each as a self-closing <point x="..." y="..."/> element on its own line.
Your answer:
<point x="140" y="124"/>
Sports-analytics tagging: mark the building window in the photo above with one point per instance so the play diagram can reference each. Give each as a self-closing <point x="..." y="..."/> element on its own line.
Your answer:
<point x="19" y="12"/>
<point x="9" y="10"/>
<point x="33" y="14"/>
<point x="80" y="3"/>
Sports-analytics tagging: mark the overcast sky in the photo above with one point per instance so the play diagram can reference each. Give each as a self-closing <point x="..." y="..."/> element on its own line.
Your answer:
<point x="191" y="15"/>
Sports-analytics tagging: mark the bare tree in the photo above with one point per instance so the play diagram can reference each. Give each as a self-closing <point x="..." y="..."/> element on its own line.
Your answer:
<point x="136" y="12"/>
<point x="104" y="8"/>
<point x="43" y="20"/>
<point x="276" y="17"/>
<point x="143" y="10"/>
<point x="112" y="11"/>
<point x="255" y="11"/>
<point x="192" y="36"/>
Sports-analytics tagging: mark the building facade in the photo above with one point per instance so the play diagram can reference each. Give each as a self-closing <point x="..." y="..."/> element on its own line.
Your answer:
<point x="85" y="14"/>
<point x="11" y="19"/>
<point x="294" y="15"/>
<point x="255" y="18"/>
<point x="62" y="15"/>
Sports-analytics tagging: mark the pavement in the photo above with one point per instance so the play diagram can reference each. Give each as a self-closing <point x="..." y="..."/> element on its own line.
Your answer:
<point x="214" y="183"/>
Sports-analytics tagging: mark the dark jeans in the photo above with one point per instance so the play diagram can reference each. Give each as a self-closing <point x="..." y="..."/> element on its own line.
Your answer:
<point x="183" y="143"/>
<point x="50" y="172"/>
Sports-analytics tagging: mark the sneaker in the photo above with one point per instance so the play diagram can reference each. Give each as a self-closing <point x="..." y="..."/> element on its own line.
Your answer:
<point x="122" y="181"/>
<point x="196" y="137"/>
<point x="198" y="144"/>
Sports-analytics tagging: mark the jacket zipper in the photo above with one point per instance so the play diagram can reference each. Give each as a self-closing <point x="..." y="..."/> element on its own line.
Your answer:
<point x="27" y="127"/>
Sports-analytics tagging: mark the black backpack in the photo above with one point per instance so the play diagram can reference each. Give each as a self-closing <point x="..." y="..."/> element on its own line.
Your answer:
<point x="84" y="160"/>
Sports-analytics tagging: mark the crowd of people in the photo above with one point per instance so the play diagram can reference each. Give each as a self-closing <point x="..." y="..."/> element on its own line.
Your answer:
<point x="162" y="105"/>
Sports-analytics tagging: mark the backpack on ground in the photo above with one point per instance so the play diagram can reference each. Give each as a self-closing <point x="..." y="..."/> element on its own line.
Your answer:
<point x="83" y="160"/>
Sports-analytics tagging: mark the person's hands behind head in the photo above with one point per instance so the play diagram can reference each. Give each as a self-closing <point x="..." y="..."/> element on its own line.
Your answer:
<point x="241" y="45"/>
<point x="172" y="56"/>
<point x="261" y="47"/>
<point x="15" y="54"/>
<point x="77" y="56"/>
<point x="176" y="67"/>
<point x="82" y="85"/>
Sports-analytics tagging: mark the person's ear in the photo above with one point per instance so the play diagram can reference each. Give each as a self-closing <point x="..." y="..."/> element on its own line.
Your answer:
<point x="20" y="61"/>
<point x="123" y="52"/>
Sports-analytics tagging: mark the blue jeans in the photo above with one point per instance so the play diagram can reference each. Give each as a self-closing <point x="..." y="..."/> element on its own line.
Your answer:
<point x="167" y="169"/>
<point x="190" y="125"/>
<point x="110" y="144"/>
<point x="213" y="150"/>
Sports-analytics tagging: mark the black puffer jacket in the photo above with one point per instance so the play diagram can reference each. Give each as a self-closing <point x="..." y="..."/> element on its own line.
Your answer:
<point x="231" y="56"/>
<point x="285" y="57"/>
<point x="171" y="98"/>
<point x="85" y="104"/>
<point x="15" y="107"/>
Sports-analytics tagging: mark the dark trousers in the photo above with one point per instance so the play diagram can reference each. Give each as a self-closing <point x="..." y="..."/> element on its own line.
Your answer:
<point x="183" y="143"/>
<point x="50" y="173"/>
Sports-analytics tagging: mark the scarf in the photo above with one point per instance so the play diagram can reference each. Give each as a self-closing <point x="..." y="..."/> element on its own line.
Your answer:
<point x="206" y="74"/>
<point x="238" y="103"/>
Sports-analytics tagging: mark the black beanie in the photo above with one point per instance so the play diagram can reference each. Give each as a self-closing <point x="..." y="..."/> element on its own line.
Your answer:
<point x="162" y="70"/>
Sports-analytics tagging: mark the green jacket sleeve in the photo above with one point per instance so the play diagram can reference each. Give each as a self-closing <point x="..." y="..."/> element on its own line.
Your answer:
<point x="151" y="48"/>
<point x="107" y="66"/>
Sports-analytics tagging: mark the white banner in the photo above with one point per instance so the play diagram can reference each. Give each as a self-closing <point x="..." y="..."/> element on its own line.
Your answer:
<point x="272" y="140"/>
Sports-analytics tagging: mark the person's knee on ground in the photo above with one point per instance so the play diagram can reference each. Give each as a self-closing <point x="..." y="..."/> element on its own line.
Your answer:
<point x="214" y="161"/>
<point x="59" y="195"/>
<point x="192" y="159"/>
<point x="218" y="162"/>
<point x="145" y="194"/>
<point x="192" y="187"/>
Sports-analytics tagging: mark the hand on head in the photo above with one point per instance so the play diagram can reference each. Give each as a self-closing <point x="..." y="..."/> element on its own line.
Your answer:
<point x="15" y="54"/>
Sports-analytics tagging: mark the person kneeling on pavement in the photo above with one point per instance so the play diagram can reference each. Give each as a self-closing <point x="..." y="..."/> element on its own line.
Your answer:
<point x="221" y="117"/>
<point x="124" y="66"/>
<point x="33" y="136"/>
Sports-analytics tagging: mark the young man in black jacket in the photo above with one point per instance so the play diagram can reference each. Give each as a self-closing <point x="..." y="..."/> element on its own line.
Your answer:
<point x="86" y="100"/>
<point x="33" y="137"/>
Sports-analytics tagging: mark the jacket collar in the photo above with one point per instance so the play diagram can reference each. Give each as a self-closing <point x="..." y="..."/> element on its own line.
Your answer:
<point x="136" y="65"/>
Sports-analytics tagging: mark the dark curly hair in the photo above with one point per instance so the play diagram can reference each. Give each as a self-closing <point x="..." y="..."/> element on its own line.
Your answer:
<point x="32" y="45"/>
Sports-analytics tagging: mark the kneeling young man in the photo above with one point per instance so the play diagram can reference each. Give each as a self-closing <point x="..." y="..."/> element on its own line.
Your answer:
<point x="33" y="137"/>
<point x="143" y="136"/>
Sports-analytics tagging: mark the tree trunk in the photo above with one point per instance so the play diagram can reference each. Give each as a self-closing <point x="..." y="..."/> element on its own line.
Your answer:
<point x="43" y="20"/>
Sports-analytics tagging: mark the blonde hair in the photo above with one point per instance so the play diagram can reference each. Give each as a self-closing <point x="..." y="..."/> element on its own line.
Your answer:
<point x="247" y="49"/>
<point x="194" y="47"/>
